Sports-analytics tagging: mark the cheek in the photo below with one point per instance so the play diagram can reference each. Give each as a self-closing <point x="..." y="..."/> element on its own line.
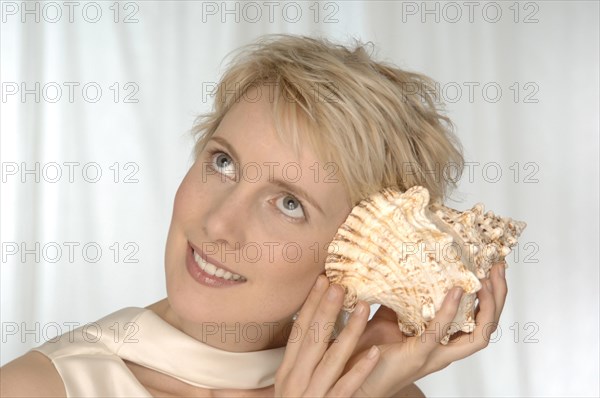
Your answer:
<point x="185" y="211"/>
<point x="296" y="275"/>
<point x="291" y="278"/>
<point x="185" y="197"/>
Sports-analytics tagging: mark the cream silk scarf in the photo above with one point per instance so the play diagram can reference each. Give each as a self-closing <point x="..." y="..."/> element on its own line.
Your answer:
<point x="90" y="359"/>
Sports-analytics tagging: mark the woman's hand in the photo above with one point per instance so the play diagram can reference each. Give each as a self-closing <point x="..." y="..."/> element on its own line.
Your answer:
<point x="406" y="359"/>
<point x="312" y="366"/>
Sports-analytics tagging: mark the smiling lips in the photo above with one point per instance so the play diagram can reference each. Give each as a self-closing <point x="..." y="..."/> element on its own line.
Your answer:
<point x="207" y="273"/>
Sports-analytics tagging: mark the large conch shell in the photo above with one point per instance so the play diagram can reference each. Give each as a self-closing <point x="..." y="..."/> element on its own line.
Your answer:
<point x="397" y="250"/>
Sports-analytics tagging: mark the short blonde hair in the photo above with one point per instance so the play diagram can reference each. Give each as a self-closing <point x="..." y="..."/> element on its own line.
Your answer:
<point x="380" y="126"/>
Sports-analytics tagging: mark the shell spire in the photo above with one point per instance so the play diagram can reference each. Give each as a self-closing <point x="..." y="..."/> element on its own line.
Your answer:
<point x="397" y="250"/>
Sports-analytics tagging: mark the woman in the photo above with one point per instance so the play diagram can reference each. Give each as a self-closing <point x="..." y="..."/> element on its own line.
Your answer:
<point x="302" y="129"/>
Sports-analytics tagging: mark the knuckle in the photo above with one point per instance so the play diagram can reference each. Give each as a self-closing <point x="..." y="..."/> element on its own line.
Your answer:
<point x="483" y="342"/>
<point x="500" y="284"/>
<point x="326" y="309"/>
<point x="340" y="391"/>
<point x="281" y="374"/>
<point x="421" y="362"/>
<point x="419" y="357"/>
<point x="436" y="366"/>
<point x="493" y="328"/>
<point x="293" y="382"/>
<point x="363" y="367"/>
<point x="328" y="358"/>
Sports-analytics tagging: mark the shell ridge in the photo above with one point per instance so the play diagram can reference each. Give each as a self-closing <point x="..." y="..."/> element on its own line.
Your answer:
<point x="398" y="250"/>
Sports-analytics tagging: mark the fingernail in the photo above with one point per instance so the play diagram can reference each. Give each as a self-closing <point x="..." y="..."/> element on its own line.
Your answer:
<point x="373" y="352"/>
<point x="332" y="293"/>
<point x="360" y="308"/>
<point x="457" y="293"/>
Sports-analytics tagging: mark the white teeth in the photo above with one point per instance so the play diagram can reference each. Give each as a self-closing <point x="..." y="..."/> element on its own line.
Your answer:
<point x="211" y="269"/>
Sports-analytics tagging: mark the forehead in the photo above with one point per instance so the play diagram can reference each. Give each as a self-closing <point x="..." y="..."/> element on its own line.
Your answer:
<point x="249" y="127"/>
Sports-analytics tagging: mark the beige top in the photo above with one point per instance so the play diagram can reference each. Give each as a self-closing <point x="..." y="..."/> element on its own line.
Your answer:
<point x="90" y="358"/>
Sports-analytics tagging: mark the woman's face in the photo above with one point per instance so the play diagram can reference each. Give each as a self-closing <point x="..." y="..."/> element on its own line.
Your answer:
<point x="251" y="205"/>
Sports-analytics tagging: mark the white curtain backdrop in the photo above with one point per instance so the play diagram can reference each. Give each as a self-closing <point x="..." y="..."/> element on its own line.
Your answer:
<point x="98" y="97"/>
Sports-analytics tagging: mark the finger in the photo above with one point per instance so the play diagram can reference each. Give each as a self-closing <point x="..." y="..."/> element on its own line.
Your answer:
<point x="470" y="343"/>
<point x="385" y="329"/>
<point x="318" y="333"/>
<point x="499" y="288"/>
<point x="356" y="376"/>
<point x="302" y="324"/>
<point x="438" y="327"/>
<point x="336" y="357"/>
<point x="486" y="318"/>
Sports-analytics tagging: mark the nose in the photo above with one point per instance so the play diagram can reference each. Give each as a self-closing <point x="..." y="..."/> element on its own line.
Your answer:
<point x="227" y="216"/>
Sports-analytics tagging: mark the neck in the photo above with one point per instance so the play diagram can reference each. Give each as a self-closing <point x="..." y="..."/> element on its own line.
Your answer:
<point x="253" y="336"/>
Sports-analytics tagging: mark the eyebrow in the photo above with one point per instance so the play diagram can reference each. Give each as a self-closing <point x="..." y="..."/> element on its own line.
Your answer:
<point x="296" y="190"/>
<point x="226" y="144"/>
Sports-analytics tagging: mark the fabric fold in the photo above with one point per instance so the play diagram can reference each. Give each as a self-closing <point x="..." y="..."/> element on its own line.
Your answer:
<point x="95" y="353"/>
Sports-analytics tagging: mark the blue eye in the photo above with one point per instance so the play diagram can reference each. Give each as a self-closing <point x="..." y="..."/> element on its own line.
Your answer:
<point x="290" y="206"/>
<point x="222" y="163"/>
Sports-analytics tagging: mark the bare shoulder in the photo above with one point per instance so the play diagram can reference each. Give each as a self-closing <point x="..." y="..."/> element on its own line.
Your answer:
<point x="411" y="391"/>
<point x="32" y="375"/>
